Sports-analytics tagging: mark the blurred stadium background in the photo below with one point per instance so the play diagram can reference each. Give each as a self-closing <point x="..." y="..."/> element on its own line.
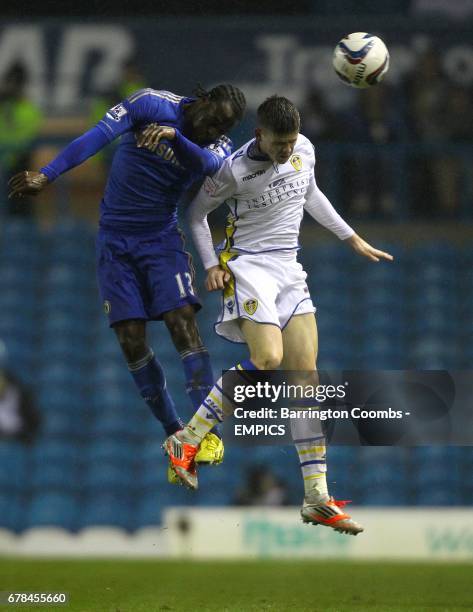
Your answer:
<point x="396" y="161"/>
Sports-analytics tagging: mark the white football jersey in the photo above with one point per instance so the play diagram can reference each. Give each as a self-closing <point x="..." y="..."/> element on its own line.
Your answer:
<point x="266" y="202"/>
<point x="266" y="199"/>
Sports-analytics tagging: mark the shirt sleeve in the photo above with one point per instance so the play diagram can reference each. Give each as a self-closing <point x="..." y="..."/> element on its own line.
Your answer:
<point x="204" y="161"/>
<point x="212" y="194"/>
<point x="319" y="207"/>
<point x="76" y="152"/>
<point x="137" y="110"/>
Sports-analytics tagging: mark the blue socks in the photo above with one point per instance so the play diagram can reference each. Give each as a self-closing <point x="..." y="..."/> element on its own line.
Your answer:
<point x="151" y="382"/>
<point x="198" y="373"/>
<point x="199" y="377"/>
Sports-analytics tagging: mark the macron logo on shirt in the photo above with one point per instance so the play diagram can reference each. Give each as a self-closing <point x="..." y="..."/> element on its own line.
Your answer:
<point x="249" y="177"/>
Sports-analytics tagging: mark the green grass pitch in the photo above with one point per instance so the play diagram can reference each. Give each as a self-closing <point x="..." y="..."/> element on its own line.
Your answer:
<point x="296" y="586"/>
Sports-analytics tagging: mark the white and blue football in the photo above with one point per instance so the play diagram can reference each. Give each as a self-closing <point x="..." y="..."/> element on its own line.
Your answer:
<point x="361" y="59"/>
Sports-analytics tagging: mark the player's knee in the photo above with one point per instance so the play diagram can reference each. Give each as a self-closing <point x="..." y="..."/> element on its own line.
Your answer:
<point x="134" y="346"/>
<point x="183" y="329"/>
<point x="267" y="360"/>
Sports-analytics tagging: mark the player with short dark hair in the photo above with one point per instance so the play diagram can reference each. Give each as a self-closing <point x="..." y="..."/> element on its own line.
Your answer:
<point x="267" y="184"/>
<point x="144" y="273"/>
<point x="279" y="115"/>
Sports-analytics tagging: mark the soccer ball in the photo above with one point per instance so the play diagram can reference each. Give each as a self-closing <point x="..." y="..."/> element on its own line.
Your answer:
<point x="361" y="60"/>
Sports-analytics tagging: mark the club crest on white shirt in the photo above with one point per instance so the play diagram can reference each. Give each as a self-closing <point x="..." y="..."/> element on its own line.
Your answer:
<point x="296" y="162"/>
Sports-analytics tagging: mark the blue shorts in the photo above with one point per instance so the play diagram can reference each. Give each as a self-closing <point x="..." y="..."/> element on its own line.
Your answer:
<point x="144" y="276"/>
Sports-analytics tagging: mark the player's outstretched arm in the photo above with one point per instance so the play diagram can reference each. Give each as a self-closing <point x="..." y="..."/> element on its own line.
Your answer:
<point x="320" y="208"/>
<point x="76" y="152"/>
<point x="363" y="248"/>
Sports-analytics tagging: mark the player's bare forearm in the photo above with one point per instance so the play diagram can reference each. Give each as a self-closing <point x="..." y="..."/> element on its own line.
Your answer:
<point x="364" y="248"/>
<point x="216" y="279"/>
<point x="27" y="183"/>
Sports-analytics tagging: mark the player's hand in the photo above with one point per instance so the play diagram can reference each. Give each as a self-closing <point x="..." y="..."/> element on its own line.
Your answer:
<point x="26" y="182"/>
<point x="150" y="137"/>
<point x="217" y="278"/>
<point x="365" y="249"/>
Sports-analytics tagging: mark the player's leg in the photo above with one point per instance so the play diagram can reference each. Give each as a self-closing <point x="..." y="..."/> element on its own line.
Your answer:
<point x="248" y="315"/>
<point x="182" y="326"/>
<point x="147" y="372"/>
<point x="264" y="342"/>
<point x="122" y="295"/>
<point x="184" y="332"/>
<point x="265" y="346"/>
<point x="300" y="341"/>
<point x="169" y="278"/>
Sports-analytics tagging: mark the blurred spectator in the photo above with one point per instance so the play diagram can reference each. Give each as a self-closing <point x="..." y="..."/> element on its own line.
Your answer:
<point x="433" y="120"/>
<point x="427" y="89"/>
<point x="20" y="123"/>
<point x="131" y="79"/>
<point x="450" y="171"/>
<point x="368" y="176"/>
<point x="458" y="124"/>
<point x="262" y="488"/>
<point x="319" y="123"/>
<point x="19" y="419"/>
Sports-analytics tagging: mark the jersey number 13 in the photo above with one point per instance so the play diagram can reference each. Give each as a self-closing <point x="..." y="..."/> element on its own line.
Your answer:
<point x="181" y="286"/>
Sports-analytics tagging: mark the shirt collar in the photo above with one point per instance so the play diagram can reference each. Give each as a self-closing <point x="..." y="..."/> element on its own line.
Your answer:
<point x="254" y="153"/>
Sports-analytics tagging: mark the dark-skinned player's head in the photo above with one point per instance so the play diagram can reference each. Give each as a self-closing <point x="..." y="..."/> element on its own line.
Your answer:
<point x="214" y="112"/>
<point x="278" y="125"/>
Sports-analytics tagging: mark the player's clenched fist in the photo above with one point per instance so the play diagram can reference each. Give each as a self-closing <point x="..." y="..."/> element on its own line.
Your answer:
<point x="216" y="279"/>
<point x="26" y="182"/>
<point x="150" y="137"/>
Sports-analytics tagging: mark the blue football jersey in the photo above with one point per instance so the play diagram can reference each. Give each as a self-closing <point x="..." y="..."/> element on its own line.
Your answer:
<point x="144" y="187"/>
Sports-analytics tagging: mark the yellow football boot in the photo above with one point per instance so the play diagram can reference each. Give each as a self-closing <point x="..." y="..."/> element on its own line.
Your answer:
<point x="210" y="451"/>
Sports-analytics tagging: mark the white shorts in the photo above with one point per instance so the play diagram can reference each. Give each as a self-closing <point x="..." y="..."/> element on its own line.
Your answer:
<point x="265" y="288"/>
